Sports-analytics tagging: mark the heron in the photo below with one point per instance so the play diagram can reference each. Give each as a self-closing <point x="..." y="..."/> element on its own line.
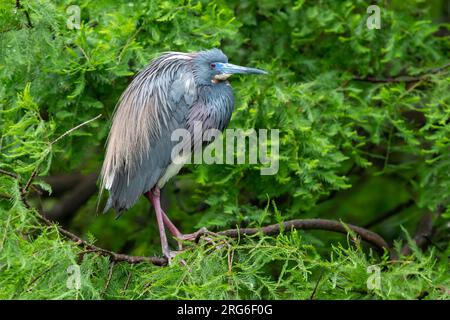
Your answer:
<point x="173" y="92"/>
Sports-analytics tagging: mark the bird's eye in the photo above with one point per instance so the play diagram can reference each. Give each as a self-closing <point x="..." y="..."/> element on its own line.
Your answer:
<point x="212" y="65"/>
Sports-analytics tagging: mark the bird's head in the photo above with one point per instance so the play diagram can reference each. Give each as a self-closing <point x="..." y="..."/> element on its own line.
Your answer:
<point x="212" y="67"/>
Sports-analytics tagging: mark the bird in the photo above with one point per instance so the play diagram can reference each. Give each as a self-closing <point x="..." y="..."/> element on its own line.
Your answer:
<point x="173" y="92"/>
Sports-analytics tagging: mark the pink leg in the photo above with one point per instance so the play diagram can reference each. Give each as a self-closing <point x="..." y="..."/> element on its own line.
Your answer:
<point x="177" y="234"/>
<point x="169" y="224"/>
<point x="154" y="196"/>
<point x="163" y="219"/>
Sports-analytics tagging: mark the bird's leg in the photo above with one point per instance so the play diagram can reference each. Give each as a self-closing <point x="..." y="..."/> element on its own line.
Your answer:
<point x="172" y="228"/>
<point x="154" y="197"/>
<point x="181" y="236"/>
<point x="177" y="233"/>
<point x="162" y="218"/>
<point x="169" y="224"/>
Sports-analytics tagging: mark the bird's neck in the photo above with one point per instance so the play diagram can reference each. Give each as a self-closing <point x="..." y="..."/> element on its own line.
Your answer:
<point x="217" y="102"/>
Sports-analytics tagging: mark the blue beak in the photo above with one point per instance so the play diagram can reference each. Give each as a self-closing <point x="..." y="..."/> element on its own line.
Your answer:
<point x="228" y="68"/>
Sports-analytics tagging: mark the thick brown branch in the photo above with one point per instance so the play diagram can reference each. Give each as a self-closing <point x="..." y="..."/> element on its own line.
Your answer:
<point x="311" y="224"/>
<point x="305" y="224"/>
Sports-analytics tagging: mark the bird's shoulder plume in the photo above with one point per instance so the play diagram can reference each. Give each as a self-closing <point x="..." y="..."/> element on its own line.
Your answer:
<point x="148" y="104"/>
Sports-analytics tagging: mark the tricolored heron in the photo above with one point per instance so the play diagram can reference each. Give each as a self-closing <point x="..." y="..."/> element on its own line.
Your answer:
<point x="173" y="92"/>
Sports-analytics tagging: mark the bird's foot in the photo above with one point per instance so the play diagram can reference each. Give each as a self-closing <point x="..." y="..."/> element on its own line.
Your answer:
<point x="195" y="236"/>
<point x="202" y="233"/>
<point x="214" y="239"/>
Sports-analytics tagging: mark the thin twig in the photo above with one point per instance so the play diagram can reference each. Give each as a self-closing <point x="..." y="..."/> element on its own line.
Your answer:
<point x="15" y="176"/>
<point x="10" y="174"/>
<point x="35" y="171"/>
<point x="230" y="260"/>
<point x="128" y="42"/>
<point x="317" y="284"/>
<point x="110" y="273"/>
<point x="38" y="277"/>
<point x="75" y="128"/>
<point x="127" y="282"/>
<point x="30" y="180"/>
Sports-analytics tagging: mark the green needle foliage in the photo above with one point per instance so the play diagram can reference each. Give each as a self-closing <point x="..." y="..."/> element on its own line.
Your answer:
<point x="363" y="116"/>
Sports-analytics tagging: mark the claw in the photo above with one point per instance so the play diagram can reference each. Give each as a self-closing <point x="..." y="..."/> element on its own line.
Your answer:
<point x="192" y="236"/>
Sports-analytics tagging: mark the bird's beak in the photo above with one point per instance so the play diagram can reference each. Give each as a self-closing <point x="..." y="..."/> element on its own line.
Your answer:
<point x="228" y="68"/>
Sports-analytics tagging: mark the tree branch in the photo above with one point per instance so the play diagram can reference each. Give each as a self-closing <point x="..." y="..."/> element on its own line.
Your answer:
<point x="311" y="224"/>
<point x="75" y="128"/>
<point x="274" y="229"/>
<point x="115" y="257"/>
<point x="30" y="180"/>
<point x="9" y="174"/>
<point x="306" y="224"/>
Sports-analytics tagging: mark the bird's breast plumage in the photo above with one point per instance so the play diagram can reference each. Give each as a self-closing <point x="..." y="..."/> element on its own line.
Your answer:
<point x="214" y="106"/>
<point x="211" y="110"/>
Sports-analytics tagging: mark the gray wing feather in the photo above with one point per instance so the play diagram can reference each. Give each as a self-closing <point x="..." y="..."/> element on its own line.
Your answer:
<point x="139" y="145"/>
